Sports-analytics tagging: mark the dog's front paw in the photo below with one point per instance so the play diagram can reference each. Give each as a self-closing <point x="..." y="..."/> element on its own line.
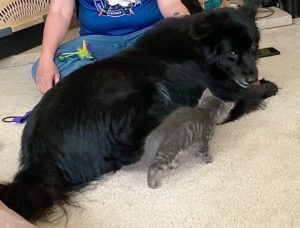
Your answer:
<point x="270" y="88"/>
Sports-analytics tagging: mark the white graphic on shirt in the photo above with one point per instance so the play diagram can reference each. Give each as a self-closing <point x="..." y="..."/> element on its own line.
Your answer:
<point x="116" y="8"/>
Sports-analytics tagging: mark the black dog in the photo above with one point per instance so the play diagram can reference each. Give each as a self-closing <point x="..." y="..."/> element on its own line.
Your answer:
<point x="94" y="121"/>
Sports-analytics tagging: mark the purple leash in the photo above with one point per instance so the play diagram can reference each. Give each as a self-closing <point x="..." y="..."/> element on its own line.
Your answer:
<point x="16" y="119"/>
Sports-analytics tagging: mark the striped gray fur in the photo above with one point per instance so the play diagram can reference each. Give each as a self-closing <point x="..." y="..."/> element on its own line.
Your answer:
<point x="187" y="128"/>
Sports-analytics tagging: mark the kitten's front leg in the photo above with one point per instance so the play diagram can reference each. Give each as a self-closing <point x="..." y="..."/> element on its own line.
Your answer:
<point x="203" y="153"/>
<point x="174" y="164"/>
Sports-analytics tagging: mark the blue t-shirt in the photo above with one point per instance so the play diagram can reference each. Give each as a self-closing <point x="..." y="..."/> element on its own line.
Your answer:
<point x="116" y="17"/>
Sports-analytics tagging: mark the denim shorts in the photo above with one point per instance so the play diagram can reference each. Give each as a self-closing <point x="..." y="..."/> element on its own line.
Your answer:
<point x="100" y="46"/>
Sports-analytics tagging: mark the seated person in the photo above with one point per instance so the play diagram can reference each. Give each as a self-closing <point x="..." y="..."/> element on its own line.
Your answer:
<point x="106" y="27"/>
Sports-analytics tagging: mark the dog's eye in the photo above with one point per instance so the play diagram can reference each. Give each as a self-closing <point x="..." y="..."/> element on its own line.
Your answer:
<point x="254" y="47"/>
<point x="233" y="53"/>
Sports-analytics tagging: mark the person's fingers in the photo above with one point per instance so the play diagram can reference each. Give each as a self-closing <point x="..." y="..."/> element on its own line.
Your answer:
<point x="56" y="78"/>
<point x="39" y="85"/>
<point x="47" y="76"/>
<point x="48" y="85"/>
<point x="44" y="86"/>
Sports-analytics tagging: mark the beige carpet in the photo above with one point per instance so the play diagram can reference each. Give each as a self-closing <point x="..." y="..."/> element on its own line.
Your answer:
<point x="254" y="180"/>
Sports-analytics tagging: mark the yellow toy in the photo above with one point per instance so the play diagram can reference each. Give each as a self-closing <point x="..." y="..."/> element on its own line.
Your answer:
<point x="82" y="53"/>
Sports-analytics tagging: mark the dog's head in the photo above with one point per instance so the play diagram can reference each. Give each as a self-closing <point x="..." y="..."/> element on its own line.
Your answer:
<point x="228" y="38"/>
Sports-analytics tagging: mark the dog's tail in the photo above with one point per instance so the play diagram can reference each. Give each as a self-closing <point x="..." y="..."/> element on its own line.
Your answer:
<point x="34" y="191"/>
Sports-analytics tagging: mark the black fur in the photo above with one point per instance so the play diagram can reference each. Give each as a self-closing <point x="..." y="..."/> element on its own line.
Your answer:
<point x="94" y="121"/>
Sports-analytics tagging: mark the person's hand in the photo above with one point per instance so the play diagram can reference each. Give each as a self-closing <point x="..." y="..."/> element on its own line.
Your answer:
<point x="47" y="75"/>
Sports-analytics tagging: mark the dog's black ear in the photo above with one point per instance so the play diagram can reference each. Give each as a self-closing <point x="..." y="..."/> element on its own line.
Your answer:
<point x="200" y="32"/>
<point x="200" y="28"/>
<point x="251" y="8"/>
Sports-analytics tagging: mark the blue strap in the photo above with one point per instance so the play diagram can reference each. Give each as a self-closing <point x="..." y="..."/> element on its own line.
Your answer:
<point x="16" y="119"/>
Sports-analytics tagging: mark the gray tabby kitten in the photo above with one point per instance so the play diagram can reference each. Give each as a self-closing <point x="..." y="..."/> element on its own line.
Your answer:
<point x="187" y="128"/>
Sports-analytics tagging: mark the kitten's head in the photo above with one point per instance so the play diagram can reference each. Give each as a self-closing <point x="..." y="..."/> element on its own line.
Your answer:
<point x="209" y="101"/>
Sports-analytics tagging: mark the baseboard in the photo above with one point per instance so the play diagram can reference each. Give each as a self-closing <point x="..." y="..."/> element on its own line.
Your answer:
<point x="21" y="41"/>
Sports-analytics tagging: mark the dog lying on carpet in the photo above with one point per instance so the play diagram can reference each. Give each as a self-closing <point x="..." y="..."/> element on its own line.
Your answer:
<point x="95" y="120"/>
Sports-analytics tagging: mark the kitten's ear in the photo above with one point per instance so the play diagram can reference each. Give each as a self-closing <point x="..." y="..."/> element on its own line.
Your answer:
<point x="229" y="106"/>
<point x="206" y="93"/>
<point x="222" y="115"/>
